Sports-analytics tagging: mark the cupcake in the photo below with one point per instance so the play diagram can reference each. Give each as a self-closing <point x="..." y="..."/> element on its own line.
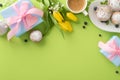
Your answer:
<point x="114" y="4"/>
<point x="103" y="12"/>
<point x="116" y="18"/>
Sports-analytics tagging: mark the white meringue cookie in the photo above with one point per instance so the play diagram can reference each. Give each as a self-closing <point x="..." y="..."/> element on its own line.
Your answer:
<point x="114" y="4"/>
<point x="116" y="18"/>
<point x="36" y="36"/>
<point x="103" y="12"/>
<point x="3" y="28"/>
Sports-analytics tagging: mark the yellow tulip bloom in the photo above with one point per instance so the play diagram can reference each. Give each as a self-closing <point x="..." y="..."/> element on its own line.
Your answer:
<point x="58" y="16"/>
<point x="66" y="26"/>
<point x="71" y="16"/>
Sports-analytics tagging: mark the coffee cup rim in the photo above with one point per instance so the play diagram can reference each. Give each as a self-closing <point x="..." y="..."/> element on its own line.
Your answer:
<point x="79" y="10"/>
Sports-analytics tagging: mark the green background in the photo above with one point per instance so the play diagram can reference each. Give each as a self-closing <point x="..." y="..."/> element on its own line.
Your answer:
<point x="76" y="57"/>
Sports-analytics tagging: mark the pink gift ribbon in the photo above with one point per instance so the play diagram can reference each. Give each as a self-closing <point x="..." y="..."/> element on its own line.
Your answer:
<point x="111" y="48"/>
<point x="23" y="15"/>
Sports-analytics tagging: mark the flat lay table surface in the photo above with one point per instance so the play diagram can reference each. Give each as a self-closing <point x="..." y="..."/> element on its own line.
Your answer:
<point x="74" y="57"/>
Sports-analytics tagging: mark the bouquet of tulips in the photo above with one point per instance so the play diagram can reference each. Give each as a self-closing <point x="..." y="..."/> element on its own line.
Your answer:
<point x="56" y="14"/>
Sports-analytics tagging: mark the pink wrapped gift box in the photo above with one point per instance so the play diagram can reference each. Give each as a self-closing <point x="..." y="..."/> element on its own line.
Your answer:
<point x="111" y="50"/>
<point x="21" y="16"/>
